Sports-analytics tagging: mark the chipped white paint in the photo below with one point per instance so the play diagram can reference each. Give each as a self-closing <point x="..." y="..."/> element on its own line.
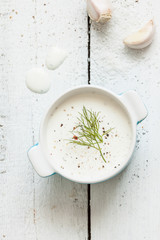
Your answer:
<point x="31" y="207"/>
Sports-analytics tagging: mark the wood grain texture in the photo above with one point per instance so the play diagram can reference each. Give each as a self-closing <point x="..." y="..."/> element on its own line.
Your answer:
<point x="32" y="207"/>
<point x="127" y="207"/>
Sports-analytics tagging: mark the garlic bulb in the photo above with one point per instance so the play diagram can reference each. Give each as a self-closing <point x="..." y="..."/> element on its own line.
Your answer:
<point x="141" y="38"/>
<point x="99" y="10"/>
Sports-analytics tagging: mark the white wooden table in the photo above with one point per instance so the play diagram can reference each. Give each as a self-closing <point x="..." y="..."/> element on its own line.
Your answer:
<point x="33" y="208"/>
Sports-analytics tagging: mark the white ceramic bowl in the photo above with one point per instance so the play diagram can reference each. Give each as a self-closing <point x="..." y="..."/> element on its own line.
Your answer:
<point x="129" y="101"/>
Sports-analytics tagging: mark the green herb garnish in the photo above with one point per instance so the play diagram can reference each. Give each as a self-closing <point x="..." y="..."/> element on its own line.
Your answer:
<point x="87" y="131"/>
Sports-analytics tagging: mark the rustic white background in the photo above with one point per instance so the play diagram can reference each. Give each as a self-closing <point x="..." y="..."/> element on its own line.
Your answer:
<point x="32" y="208"/>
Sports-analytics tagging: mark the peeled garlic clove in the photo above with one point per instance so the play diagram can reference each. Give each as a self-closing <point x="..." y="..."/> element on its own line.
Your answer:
<point x="141" y="38"/>
<point x="99" y="10"/>
<point x="55" y="58"/>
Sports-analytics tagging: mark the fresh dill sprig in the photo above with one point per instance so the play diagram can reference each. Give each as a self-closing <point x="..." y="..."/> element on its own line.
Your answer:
<point x="87" y="131"/>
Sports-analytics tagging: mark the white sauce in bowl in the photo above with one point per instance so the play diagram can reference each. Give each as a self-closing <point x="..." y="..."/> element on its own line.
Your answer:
<point x="81" y="161"/>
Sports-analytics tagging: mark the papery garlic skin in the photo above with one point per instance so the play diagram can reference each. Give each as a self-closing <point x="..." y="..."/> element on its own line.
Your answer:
<point x="141" y="38"/>
<point x="99" y="10"/>
<point x="55" y="57"/>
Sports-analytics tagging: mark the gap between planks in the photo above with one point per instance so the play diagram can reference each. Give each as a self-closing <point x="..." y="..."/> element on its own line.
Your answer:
<point x="89" y="68"/>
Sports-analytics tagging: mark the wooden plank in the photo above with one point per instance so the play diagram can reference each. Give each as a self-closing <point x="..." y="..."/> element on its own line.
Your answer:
<point x="16" y="221"/>
<point x="127" y="207"/>
<point x="32" y="207"/>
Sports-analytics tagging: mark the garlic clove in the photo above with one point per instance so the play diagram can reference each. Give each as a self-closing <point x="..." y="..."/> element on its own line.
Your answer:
<point x="141" y="38"/>
<point x="55" y="58"/>
<point x="99" y="10"/>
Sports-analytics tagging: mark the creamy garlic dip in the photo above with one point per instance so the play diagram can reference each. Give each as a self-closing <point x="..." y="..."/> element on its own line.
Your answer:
<point x="37" y="80"/>
<point x="55" y="57"/>
<point x="80" y="160"/>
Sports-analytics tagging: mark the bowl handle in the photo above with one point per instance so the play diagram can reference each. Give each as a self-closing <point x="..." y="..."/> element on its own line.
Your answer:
<point x="39" y="163"/>
<point x="135" y="105"/>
